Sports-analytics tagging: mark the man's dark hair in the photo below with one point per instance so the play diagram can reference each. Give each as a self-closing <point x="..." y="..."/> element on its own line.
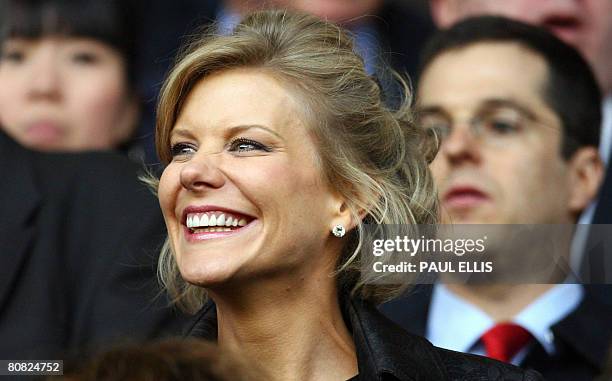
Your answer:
<point x="571" y="89"/>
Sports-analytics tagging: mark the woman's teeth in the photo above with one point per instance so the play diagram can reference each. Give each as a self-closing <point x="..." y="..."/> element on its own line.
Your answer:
<point x="202" y="220"/>
<point x="210" y="230"/>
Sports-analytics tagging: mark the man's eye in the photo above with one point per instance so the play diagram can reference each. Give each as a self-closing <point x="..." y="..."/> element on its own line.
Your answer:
<point x="438" y="126"/>
<point x="502" y="127"/>
<point x="246" y="145"/>
<point x="181" y="149"/>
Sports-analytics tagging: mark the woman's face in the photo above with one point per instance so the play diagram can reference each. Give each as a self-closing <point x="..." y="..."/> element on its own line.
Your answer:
<point x="245" y="162"/>
<point x="65" y="94"/>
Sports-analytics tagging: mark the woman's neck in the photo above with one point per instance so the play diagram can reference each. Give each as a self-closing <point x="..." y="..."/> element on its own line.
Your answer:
<point x="292" y="333"/>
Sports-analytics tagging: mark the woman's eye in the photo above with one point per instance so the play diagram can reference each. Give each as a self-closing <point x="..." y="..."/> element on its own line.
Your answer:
<point x="246" y="145"/>
<point x="13" y="56"/>
<point x="85" y="58"/>
<point x="181" y="149"/>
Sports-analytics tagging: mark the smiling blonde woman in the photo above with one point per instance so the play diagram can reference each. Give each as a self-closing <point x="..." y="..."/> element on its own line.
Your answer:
<point x="278" y="149"/>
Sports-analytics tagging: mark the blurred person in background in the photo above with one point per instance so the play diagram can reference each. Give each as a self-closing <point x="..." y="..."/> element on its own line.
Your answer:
<point x="518" y="114"/>
<point x="587" y="26"/>
<point x="79" y="235"/>
<point x="584" y="24"/>
<point x="67" y="74"/>
<point x="166" y="360"/>
<point x="385" y="32"/>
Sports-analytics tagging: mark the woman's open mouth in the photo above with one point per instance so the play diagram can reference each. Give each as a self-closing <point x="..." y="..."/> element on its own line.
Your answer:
<point x="214" y="224"/>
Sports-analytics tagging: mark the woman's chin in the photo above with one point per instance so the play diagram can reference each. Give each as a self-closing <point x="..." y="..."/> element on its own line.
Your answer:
<point x="208" y="276"/>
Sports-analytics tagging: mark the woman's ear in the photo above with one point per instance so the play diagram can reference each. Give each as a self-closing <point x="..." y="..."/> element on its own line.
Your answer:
<point x="344" y="215"/>
<point x="585" y="176"/>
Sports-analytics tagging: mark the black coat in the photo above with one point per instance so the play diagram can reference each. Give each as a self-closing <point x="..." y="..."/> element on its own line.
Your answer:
<point x="79" y="236"/>
<point x="582" y="338"/>
<point x="388" y="353"/>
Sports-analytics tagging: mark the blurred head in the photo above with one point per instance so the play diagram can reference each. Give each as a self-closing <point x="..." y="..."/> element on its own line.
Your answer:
<point x="340" y="11"/>
<point x="274" y="135"/>
<point x="518" y="112"/>
<point x="584" y="24"/>
<point x="168" y="360"/>
<point x="66" y="73"/>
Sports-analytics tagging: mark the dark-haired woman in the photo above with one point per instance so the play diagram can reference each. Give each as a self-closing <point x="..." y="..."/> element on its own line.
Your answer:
<point x="67" y="73"/>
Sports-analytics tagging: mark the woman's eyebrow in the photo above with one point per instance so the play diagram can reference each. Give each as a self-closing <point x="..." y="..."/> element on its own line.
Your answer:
<point x="181" y="132"/>
<point x="231" y="131"/>
<point x="244" y="127"/>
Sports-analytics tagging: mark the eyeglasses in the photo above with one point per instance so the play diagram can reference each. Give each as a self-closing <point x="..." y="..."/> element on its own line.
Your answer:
<point x="494" y="126"/>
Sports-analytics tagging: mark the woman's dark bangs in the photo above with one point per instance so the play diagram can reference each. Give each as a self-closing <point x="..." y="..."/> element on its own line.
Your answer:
<point x="100" y="20"/>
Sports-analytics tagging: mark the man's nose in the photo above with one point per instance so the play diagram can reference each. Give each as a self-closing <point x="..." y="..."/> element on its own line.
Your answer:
<point x="461" y="145"/>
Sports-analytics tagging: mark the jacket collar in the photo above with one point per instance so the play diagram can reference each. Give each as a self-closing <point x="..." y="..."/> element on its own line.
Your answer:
<point x="587" y="330"/>
<point x="384" y="350"/>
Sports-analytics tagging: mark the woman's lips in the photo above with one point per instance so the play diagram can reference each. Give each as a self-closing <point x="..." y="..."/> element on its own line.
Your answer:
<point x="464" y="197"/>
<point x="44" y="133"/>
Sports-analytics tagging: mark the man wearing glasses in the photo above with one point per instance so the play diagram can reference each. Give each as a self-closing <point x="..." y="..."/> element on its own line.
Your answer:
<point x="518" y="115"/>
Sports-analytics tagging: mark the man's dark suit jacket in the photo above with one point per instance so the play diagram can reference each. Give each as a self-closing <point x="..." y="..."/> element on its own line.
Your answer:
<point x="596" y="264"/>
<point x="603" y="213"/>
<point x="78" y="242"/>
<point x="582" y="338"/>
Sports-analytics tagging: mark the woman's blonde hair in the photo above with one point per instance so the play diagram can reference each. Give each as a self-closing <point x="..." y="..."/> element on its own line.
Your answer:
<point x="376" y="158"/>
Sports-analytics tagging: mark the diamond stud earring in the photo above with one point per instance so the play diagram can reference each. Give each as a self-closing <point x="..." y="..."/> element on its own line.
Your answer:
<point x="338" y="231"/>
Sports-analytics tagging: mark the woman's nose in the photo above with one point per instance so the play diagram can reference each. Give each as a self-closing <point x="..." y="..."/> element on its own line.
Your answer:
<point x="202" y="173"/>
<point x="44" y="78"/>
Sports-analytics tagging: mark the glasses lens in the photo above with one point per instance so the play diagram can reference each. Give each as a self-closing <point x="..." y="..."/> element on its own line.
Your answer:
<point x="436" y="125"/>
<point x="499" y="126"/>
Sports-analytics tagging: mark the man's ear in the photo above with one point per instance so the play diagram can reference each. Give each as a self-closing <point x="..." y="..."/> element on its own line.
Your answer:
<point x="443" y="12"/>
<point x="586" y="173"/>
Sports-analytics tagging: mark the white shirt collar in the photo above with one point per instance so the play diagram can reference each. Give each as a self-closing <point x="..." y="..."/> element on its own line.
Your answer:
<point x="606" y="129"/>
<point x="547" y="310"/>
<point x="455" y="324"/>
